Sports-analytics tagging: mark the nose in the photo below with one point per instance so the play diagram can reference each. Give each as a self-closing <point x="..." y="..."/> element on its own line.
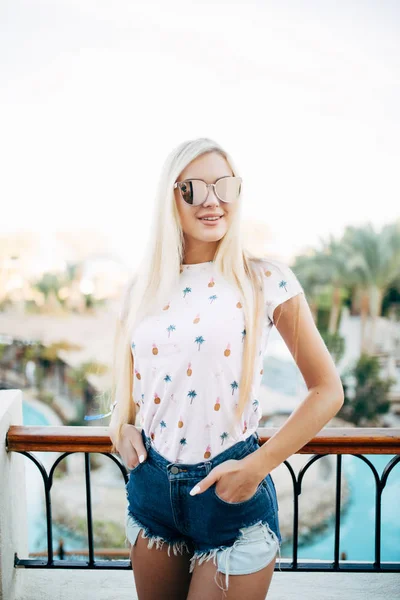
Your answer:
<point x="211" y="199"/>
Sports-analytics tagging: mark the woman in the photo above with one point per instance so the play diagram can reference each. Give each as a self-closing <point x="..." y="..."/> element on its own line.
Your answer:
<point x="188" y="360"/>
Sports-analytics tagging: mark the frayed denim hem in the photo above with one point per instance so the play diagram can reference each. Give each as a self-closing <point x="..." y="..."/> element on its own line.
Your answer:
<point x="177" y="546"/>
<point x="203" y="556"/>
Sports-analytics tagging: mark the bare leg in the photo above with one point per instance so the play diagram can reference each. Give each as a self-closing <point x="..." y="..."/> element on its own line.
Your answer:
<point x="159" y="576"/>
<point x="253" y="586"/>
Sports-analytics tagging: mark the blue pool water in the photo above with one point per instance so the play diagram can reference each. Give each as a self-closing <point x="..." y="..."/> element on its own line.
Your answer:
<point x="33" y="417"/>
<point x="357" y="531"/>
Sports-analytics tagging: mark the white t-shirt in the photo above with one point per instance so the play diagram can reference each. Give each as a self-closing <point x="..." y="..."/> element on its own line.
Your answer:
<point x="187" y="363"/>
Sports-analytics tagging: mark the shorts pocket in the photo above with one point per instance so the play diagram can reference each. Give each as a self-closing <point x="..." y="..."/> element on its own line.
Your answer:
<point x="140" y="464"/>
<point x="133" y="471"/>
<point x="259" y="490"/>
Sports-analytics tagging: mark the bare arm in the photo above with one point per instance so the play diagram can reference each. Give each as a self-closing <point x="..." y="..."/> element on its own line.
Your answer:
<point x="325" y="396"/>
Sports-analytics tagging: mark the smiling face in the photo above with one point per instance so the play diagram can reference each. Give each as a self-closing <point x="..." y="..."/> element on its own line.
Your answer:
<point x="201" y="237"/>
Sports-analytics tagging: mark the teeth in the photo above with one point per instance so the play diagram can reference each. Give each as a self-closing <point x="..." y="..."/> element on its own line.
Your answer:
<point x="210" y="218"/>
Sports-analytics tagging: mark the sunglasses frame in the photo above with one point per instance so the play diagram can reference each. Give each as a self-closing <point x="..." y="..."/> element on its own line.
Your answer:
<point x="178" y="184"/>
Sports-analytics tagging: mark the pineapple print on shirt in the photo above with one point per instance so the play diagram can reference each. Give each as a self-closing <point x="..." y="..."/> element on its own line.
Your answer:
<point x="187" y="362"/>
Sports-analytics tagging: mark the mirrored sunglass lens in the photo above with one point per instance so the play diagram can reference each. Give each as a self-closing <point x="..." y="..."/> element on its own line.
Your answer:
<point x="228" y="188"/>
<point x="193" y="192"/>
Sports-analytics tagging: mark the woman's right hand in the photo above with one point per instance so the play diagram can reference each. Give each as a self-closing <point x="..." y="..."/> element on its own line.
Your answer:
<point x="130" y="446"/>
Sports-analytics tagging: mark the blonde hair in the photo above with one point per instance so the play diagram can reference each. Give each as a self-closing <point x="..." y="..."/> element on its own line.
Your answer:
<point x="159" y="272"/>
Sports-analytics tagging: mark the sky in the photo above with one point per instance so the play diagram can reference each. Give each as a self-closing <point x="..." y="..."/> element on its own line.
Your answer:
<point x="304" y="95"/>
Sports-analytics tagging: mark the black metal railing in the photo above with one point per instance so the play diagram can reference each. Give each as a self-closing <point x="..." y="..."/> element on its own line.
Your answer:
<point x="339" y="441"/>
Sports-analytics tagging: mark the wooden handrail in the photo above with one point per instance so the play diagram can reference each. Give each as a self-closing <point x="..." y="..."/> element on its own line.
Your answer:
<point x="330" y="440"/>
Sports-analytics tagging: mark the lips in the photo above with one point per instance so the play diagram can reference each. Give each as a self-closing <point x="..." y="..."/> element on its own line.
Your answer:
<point x="210" y="217"/>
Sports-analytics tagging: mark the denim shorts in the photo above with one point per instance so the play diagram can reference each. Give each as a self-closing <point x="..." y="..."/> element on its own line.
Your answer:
<point x="240" y="537"/>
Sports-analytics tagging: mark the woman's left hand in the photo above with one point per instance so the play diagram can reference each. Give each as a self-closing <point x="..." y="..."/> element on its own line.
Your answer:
<point x="235" y="481"/>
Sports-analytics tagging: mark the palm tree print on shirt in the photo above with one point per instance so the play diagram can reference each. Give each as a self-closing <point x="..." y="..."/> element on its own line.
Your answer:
<point x="166" y="380"/>
<point x="222" y="373"/>
<point x="192" y="394"/>
<point x="170" y="328"/>
<point x="282" y="284"/>
<point x="199" y="340"/>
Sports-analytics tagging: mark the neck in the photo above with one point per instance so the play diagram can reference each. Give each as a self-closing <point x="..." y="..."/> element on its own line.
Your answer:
<point x="201" y="252"/>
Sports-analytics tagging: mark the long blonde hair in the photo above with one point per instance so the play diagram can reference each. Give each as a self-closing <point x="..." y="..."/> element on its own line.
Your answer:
<point x="159" y="272"/>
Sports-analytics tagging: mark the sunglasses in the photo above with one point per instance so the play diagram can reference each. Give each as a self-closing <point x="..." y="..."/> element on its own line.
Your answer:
<point x="195" y="191"/>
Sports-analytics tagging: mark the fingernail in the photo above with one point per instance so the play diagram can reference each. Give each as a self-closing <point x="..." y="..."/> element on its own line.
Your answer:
<point x="194" y="490"/>
<point x="141" y="458"/>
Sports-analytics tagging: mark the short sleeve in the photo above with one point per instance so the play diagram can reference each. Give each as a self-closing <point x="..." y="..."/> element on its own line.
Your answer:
<point x="280" y="284"/>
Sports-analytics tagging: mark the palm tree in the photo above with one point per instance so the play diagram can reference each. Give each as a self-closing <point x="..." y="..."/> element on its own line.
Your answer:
<point x="186" y="291"/>
<point x="170" y="328"/>
<point x="374" y="259"/>
<point x="234" y="386"/>
<point x="199" y="340"/>
<point x="192" y="394"/>
<point x="223" y="437"/>
<point x="332" y="263"/>
<point x="283" y="284"/>
<point x="49" y="285"/>
<point x="212" y="298"/>
<point x="364" y="263"/>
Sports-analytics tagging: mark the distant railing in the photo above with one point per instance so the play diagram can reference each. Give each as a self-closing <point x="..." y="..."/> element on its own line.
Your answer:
<point x="339" y="441"/>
